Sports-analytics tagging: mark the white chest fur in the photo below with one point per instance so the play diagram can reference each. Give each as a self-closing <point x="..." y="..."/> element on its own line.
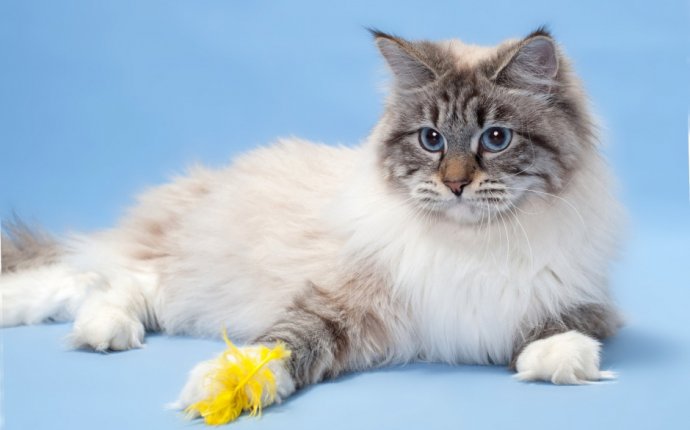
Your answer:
<point x="467" y="298"/>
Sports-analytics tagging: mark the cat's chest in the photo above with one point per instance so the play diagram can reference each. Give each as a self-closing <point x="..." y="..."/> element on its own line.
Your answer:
<point x="466" y="305"/>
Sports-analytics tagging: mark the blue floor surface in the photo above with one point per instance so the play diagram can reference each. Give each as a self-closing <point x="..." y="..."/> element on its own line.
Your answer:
<point x="101" y="99"/>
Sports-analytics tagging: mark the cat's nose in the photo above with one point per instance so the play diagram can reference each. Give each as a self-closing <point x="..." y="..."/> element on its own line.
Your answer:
<point x="456" y="186"/>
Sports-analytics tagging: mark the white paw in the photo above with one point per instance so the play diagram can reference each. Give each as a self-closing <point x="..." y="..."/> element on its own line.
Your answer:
<point x="198" y="387"/>
<point x="200" y="384"/>
<point x="108" y="329"/>
<point x="566" y="358"/>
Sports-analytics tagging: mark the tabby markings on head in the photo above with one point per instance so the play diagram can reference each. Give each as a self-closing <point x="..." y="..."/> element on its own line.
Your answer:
<point x="471" y="132"/>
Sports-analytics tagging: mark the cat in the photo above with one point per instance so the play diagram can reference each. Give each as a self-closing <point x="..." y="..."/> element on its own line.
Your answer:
<point x="476" y="224"/>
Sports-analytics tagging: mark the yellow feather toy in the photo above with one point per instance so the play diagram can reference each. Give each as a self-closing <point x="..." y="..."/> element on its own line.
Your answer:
<point x="241" y="382"/>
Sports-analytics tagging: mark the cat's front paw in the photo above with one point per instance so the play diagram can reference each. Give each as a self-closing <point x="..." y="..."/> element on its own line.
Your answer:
<point x="566" y="358"/>
<point x="201" y="384"/>
<point x="197" y="388"/>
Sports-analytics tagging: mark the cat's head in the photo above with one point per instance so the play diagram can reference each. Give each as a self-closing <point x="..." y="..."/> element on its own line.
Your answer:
<point x="470" y="131"/>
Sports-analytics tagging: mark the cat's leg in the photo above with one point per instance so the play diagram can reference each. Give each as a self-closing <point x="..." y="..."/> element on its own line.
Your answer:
<point x="109" y="312"/>
<point x="50" y="293"/>
<point x="116" y="316"/>
<point x="91" y="280"/>
<point x="36" y="285"/>
<point x="325" y="334"/>
<point x="566" y="350"/>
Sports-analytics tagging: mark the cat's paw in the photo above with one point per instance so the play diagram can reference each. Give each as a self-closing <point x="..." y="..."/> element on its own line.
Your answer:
<point x="566" y="358"/>
<point x="109" y="329"/>
<point x="200" y="385"/>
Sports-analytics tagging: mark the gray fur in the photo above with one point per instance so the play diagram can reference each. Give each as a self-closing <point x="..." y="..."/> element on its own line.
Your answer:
<point x="24" y="247"/>
<point x="595" y="320"/>
<point x="527" y="85"/>
<point x="330" y="332"/>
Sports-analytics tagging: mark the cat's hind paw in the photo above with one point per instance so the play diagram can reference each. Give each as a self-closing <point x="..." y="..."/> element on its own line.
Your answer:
<point x="568" y="358"/>
<point x="109" y="329"/>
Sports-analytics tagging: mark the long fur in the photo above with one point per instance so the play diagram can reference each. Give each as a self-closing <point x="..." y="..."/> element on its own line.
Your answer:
<point x="337" y="252"/>
<point x="23" y="247"/>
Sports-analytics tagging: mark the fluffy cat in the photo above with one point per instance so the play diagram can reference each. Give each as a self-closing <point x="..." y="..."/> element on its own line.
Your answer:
<point x="474" y="225"/>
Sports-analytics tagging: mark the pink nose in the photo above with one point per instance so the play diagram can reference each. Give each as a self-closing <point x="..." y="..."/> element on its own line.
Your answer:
<point x="456" y="186"/>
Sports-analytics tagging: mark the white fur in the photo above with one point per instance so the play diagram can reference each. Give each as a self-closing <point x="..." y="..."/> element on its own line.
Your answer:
<point x="102" y="327"/>
<point x="197" y="387"/>
<point x="566" y="358"/>
<point x="240" y="244"/>
<point x="200" y="386"/>
<point x="113" y="317"/>
<point x="50" y="292"/>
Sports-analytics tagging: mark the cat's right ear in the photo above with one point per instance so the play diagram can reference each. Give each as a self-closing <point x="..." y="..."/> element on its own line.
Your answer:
<point x="405" y="61"/>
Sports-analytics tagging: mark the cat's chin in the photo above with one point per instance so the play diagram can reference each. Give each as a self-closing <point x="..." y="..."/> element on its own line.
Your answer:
<point x="463" y="214"/>
<point x="453" y="213"/>
<point x="467" y="214"/>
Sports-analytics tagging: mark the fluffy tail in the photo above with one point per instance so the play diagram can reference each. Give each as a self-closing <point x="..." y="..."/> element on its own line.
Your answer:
<point x="23" y="248"/>
<point x="35" y="285"/>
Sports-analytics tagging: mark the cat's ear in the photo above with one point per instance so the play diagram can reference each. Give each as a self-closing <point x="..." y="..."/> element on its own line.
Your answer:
<point x="405" y="59"/>
<point x="533" y="65"/>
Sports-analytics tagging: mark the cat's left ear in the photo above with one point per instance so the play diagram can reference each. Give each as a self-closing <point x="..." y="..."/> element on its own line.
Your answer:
<point x="533" y="65"/>
<point x="407" y="60"/>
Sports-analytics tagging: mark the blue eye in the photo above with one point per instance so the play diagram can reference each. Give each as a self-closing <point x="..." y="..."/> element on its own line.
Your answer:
<point x="496" y="139"/>
<point x="431" y="140"/>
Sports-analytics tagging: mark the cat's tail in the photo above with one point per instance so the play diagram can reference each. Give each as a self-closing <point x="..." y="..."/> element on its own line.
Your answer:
<point x="35" y="283"/>
<point x="86" y="279"/>
<point x="23" y="248"/>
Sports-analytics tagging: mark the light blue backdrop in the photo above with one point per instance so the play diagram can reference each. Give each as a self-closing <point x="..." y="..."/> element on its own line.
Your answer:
<point x="99" y="100"/>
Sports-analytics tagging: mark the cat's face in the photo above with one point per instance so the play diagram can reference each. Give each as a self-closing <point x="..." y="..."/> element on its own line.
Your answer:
<point x="473" y="133"/>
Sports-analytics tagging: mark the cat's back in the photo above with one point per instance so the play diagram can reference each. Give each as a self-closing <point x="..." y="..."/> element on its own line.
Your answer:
<point x="289" y="179"/>
<point x="292" y="171"/>
<point x="272" y="188"/>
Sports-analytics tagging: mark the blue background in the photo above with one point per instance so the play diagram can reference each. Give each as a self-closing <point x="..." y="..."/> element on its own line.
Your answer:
<point x="99" y="100"/>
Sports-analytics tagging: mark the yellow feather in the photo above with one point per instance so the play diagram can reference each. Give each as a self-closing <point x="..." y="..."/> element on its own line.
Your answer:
<point x="241" y="382"/>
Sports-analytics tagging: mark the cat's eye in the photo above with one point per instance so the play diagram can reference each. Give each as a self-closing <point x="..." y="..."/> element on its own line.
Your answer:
<point x="431" y="140"/>
<point x="496" y="139"/>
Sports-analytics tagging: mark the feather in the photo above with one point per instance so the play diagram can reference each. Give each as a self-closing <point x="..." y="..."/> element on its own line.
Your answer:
<point x="241" y="381"/>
